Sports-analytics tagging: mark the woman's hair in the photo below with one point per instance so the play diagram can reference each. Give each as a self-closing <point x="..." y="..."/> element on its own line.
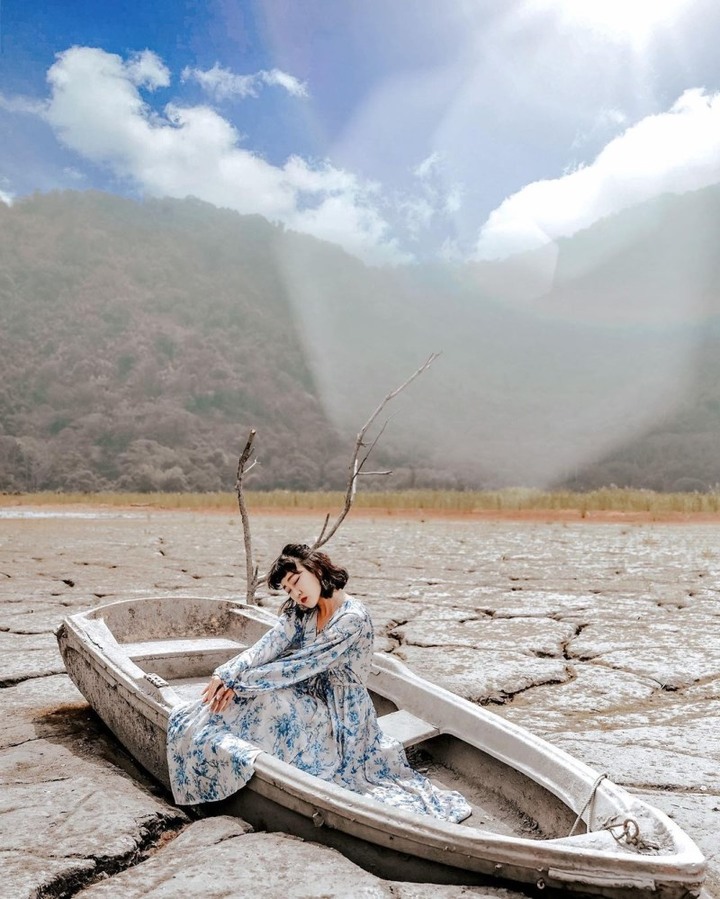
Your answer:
<point x="331" y="576"/>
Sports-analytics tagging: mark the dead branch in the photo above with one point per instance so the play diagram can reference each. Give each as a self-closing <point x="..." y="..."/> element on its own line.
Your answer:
<point x="356" y="471"/>
<point x="250" y="570"/>
<point x="356" y="464"/>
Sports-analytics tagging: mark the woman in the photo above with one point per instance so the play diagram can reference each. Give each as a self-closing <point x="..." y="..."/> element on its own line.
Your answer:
<point x="299" y="693"/>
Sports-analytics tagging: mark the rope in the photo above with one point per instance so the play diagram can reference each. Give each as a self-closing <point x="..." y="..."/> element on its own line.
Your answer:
<point x="630" y="834"/>
<point x="629" y="829"/>
<point x="588" y="804"/>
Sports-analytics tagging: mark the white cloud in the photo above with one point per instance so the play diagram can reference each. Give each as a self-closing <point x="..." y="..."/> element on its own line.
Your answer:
<point x="430" y="164"/>
<point x="674" y="151"/>
<point x="606" y="125"/>
<point x="6" y="195"/>
<point x="97" y="110"/>
<point x="222" y="84"/>
<point x="23" y="105"/>
<point x="346" y="219"/>
<point x="323" y="178"/>
<point x="418" y="214"/>
<point x="435" y="197"/>
<point x="291" y="84"/>
<point x="146" y="69"/>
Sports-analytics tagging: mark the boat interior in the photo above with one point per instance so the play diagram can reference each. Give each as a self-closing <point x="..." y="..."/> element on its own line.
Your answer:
<point x="184" y="640"/>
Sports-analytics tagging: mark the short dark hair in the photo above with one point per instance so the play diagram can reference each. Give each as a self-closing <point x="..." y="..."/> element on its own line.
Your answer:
<point x="332" y="577"/>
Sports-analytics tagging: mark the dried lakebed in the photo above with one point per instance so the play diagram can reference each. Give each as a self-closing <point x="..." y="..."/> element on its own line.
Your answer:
<point x="603" y="638"/>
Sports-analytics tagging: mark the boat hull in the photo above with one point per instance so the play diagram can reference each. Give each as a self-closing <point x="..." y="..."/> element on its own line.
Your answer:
<point x="400" y="846"/>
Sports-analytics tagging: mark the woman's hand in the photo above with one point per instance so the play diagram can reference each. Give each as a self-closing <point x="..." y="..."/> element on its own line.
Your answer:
<point x="217" y="694"/>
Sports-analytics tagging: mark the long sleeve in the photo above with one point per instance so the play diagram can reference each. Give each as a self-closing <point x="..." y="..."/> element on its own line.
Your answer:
<point x="300" y="664"/>
<point x="272" y="644"/>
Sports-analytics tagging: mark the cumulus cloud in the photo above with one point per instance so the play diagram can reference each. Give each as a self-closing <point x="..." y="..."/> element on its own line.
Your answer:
<point x="222" y="84"/>
<point x="674" y="151"/>
<point x="146" y="69"/>
<point x="96" y="108"/>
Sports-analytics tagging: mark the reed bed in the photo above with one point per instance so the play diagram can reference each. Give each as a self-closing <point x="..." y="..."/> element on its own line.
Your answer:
<point x="610" y="499"/>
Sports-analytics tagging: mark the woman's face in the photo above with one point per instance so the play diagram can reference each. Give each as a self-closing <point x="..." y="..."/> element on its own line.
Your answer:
<point x="302" y="587"/>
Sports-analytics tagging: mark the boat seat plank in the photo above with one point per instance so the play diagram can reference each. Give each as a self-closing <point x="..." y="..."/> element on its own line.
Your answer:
<point x="407" y="728"/>
<point x="189" y="689"/>
<point x="186" y="646"/>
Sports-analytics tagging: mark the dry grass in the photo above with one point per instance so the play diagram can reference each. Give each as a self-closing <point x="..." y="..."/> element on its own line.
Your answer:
<point x="609" y="499"/>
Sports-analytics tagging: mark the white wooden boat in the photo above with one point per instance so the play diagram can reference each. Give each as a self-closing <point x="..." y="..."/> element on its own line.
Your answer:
<point x="134" y="660"/>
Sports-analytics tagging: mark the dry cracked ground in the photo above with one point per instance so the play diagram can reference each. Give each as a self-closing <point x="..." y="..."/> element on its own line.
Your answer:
<point x="603" y="638"/>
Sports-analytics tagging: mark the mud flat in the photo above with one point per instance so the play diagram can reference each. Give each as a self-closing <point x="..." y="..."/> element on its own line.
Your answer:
<point x="603" y="637"/>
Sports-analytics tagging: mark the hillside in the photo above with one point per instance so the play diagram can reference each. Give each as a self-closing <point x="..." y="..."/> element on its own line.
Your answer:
<point x="138" y="344"/>
<point x="140" y="341"/>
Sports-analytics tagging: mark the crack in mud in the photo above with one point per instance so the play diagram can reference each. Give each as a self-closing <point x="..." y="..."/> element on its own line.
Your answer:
<point x="396" y="638"/>
<point x="29" y="783"/>
<point x="565" y="644"/>
<point x="481" y="616"/>
<point x="155" y="833"/>
<point x="532" y="616"/>
<point x="11" y="630"/>
<point x="505" y="697"/>
<point x="14" y="681"/>
<point x="14" y="745"/>
<point x="668" y="788"/>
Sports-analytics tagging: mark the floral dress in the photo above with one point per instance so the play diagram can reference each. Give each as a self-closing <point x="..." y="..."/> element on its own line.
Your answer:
<point x="300" y="695"/>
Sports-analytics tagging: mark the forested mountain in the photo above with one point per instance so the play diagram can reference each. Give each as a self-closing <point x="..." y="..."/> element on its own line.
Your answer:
<point x="140" y="341"/>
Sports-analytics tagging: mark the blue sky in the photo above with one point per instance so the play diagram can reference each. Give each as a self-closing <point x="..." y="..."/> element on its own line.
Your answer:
<point x="403" y="130"/>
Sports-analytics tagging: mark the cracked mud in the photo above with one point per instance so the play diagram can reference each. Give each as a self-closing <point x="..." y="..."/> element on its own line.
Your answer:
<point x="603" y="638"/>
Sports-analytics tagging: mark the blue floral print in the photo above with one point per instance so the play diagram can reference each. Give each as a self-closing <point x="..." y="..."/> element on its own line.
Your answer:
<point x="300" y="695"/>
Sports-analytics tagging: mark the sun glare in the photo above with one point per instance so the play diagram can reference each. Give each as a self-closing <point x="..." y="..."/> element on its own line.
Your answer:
<point x="630" y="19"/>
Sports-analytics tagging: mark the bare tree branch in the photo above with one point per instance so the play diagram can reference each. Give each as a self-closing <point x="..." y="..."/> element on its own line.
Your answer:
<point x="250" y="569"/>
<point x="355" y="467"/>
<point x="324" y="527"/>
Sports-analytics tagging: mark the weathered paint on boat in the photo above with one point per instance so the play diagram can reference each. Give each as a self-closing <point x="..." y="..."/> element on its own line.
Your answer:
<point x="135" y="659"/>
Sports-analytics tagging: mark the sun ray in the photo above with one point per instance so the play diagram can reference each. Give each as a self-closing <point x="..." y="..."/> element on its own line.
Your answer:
<point x="633" y="21"/>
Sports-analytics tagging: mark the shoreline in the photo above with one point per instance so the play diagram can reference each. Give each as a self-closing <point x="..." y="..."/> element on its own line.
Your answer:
<point x="548" y="516"/>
